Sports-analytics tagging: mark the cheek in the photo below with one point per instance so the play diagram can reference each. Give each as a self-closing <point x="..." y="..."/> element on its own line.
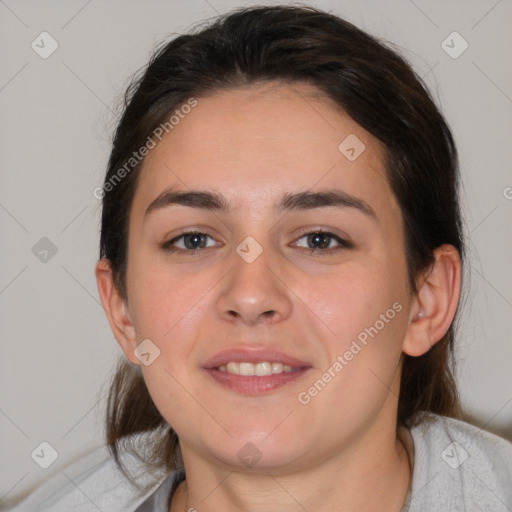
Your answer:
<point x="365" y="311"/>
<point x="169" y="309"/>
<point x="173" y="310"/>
<point x="164" y="301"/>
<point x="353" y="302"/>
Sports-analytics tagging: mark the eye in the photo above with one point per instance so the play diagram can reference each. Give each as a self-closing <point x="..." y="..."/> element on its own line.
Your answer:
<point x="323" y="241"/>
<point x="188" y="242"/>
<point x="316" y="242"/>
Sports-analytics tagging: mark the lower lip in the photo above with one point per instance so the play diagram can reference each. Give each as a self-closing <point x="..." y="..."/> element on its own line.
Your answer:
<point x="255" y="385"/>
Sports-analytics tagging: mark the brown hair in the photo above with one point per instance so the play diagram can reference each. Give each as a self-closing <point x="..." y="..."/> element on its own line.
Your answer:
<point x="366" y="78"/>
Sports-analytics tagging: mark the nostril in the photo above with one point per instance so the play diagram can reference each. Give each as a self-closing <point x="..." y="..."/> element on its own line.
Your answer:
<point x="269" y="314"/>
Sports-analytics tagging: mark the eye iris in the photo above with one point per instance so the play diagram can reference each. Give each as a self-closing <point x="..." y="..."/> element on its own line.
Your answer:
<point x="195" y="241"/>
<point x="319" y="240"/>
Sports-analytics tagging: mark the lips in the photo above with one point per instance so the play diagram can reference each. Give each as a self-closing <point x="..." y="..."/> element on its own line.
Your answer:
<point x="254" y="356"/>
<point x="255" y="371"/>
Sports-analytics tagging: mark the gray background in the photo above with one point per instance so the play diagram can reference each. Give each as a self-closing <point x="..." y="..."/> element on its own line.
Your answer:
<point x="57" y="115"/>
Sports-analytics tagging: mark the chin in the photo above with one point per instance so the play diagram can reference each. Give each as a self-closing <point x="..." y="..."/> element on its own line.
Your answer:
<point x="260" y="451"/>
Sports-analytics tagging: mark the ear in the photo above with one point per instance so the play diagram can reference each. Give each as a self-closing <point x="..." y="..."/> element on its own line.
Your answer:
<point x="435" y="304"/>
<point x="116" y="309"/>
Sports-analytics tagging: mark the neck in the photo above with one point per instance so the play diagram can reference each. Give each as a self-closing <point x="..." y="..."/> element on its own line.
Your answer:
<point x="372" y="475"/>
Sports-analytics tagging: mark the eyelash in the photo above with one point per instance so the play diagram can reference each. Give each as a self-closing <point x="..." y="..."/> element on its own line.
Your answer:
<point x="343" y="244"/>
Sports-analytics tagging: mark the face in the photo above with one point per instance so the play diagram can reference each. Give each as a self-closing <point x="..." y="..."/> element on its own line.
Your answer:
<point x="293" y="254"/>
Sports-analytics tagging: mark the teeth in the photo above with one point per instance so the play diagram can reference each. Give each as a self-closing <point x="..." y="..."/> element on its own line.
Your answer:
<point x="277" y="367"/>
<point x="233" y="368"/>
<point x="245" y="369"/>
<point x="263" y="369"/>
<point x="259" y="369"/>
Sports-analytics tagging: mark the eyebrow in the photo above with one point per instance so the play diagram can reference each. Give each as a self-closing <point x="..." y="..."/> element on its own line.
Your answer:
<point x="210" y="200"/>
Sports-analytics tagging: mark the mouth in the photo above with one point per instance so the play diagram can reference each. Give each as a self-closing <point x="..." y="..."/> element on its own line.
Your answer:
<point x="255" y="372"/>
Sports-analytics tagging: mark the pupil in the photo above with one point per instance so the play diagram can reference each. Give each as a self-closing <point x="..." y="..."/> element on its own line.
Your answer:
<point x="319" y="238"/>
<point x="194" y="241"/>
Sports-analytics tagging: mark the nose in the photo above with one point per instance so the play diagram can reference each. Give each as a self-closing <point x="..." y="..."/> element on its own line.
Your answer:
<point x="255" y="293"/>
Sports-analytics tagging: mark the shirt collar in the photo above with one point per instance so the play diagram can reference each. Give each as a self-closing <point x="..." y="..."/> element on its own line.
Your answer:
<point x="160" y="499"/>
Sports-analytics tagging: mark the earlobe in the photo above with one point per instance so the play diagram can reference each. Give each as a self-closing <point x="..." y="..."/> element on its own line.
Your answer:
<point x="116" y="309"/>
<point x="435" y="304"/>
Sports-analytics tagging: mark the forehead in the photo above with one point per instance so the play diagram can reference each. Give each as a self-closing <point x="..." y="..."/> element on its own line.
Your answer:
<point x="257" y="142"/>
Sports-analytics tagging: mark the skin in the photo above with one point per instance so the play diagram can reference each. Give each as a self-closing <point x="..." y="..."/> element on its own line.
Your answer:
<point x="339" y="451"/>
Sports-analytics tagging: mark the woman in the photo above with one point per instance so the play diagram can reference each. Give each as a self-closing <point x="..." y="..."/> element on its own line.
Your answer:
<point x="281" y="264"/>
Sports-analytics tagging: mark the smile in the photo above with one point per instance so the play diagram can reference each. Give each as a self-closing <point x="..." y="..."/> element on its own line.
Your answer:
<point x="254" y="371"/>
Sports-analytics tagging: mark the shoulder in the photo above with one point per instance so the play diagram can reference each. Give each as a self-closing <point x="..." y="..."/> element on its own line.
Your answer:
<point x="92" y="483"/>
<point x="457" y="465"/>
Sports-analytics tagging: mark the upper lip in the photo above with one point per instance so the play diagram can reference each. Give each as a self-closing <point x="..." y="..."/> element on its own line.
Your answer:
<point x="254" y="355"/>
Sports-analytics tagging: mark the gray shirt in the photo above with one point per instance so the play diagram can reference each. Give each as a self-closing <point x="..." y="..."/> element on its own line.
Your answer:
<point x="456" y="467"/>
